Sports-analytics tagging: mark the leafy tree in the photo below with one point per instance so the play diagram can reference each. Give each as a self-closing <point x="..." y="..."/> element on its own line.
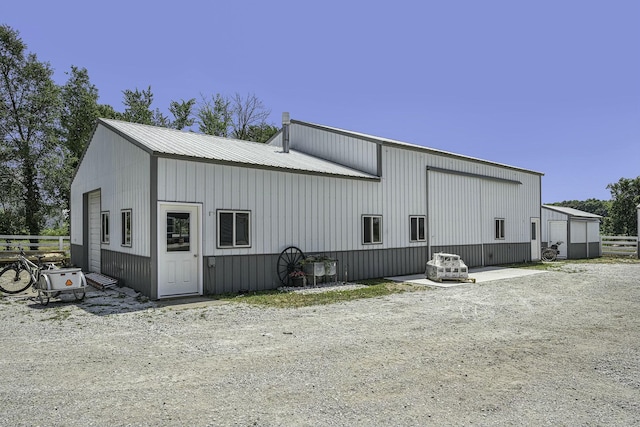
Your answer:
<point x="11" y="209"/>
<point x="214" y="116"/>
<point x="138" y="110"/>
<point x="11" y="222"/>
<point x="138" y="107"/>
<point x="183" y="113"/>
<point x="107" y="112"/>
<point x="625" y="195"/>
<point x="78" y="114"/>
<point x="261" y="132"/>
<point x="29" y="109"/>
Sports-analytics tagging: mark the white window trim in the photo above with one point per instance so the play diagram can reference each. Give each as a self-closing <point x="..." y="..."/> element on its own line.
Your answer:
<point x="123" y="232"/>
<point x="234" y="212"/>
<point x="104" y="237"/>
<point x="372" y="242"/>
<point x="499" y="228"/>
<point x="418" y="218"/>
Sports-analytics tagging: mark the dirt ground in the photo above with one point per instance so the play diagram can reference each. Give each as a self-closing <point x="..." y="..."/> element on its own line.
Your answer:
<point x="551" y="349"/>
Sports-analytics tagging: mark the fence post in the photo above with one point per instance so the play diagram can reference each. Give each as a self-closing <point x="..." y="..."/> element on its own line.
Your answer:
<point x="60" y="240"/>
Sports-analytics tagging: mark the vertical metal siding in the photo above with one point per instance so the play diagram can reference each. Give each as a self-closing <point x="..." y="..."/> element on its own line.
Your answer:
<point x="121" y="171"/>
<point x="77" y="257"/>
<point x="324" y="213"/>
<point x="456" y="214"/>
<point x="132" y="271"/>
<point x="506" y="253"/>
<point x="595" y="250"/>
<point x="470" y="254"/>
<point x="348" y="151"/>
<point x="321" y="214"/>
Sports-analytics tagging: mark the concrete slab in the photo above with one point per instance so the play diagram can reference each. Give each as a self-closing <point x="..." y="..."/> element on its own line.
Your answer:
<point x="482" y="274"/>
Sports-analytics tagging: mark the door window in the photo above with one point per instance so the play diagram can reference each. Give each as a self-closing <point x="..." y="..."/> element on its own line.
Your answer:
<point x="178" y="232"/>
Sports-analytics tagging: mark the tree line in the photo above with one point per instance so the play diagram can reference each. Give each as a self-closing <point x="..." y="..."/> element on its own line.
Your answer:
<point x="620" y="217"/>
<point x="45" y="128"/>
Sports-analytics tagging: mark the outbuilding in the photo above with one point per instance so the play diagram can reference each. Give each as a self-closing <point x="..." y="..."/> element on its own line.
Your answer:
<point x="173" y="213"/>
<point x="578" y="231"/>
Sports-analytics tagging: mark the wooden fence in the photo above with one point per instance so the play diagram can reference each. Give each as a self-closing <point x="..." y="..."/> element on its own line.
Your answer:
<point x="45" y="243"/>
<point x="53" y="248"/>
<point x="620" y="245"/>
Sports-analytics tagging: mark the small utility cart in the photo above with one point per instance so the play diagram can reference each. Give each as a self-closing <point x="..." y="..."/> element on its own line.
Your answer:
<point x="53" y="282"/>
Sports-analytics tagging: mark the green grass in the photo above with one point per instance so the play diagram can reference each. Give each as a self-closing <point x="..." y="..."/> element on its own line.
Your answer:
<point x="555" y="265"/>
<point x="278" y="299"/>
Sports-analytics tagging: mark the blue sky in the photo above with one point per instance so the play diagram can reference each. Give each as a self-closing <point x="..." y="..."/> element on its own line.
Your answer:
<point x="552" y="86"/>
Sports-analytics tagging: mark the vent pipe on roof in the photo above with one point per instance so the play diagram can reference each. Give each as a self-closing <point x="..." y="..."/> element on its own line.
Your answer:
<point x="286" y="121"/>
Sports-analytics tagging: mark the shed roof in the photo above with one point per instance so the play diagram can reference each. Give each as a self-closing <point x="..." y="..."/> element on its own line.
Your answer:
<point x="572" y="212"/>
<point x="409" y="146"/>
<point x="174" y="143"/>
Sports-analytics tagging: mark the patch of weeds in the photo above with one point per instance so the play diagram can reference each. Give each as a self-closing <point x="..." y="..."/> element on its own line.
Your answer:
<point x="274" y="298"/>
<point x="60" y="315"/>
<point x="142" y="298"/>
<point x="561" y="265"/>
<point x="568" y="268"/>
<point x="555" y="265"/>
<point x="609" y="259"/>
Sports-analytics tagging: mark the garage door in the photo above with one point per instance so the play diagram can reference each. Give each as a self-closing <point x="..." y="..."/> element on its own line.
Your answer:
<point x="94" y="232"/>
<point x="558" y="233"/>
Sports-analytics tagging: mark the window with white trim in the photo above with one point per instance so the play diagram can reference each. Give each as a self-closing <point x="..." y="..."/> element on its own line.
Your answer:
<point x="499" y="228"/>
<point x="234" y="229"/>
<point x="104" y="227"/>
<point x="417" y="225"/>
<point x="125" y="225"/>
<point x="371" y="229"/>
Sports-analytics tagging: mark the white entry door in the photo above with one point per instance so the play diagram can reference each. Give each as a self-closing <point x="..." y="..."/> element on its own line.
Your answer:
<point x="535" y="239"/>
<point x="179" y="250"/>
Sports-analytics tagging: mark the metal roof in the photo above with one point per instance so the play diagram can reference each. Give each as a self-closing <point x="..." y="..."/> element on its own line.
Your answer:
<point x="409" y="146"/>
<point x="175" y="143"/>
<point x="572" y="212"/>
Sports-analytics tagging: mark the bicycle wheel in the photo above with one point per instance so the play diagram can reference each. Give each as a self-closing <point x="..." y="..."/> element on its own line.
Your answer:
<point x="43" y="297"/>
<point x="548" y="255"/>
<point x="14" y="279"/>
<point x="79" y="294"/>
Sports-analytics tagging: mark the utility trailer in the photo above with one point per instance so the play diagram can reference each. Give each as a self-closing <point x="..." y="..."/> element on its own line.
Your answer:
<point x="54" y="282"/>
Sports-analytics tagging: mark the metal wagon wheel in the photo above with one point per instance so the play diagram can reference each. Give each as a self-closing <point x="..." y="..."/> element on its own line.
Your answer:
<point x="549" y="255"/>
<point x="288" y="261"/>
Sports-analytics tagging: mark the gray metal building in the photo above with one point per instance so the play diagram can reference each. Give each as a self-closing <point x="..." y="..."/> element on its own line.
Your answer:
<point x="578" y="230"/>
<point x="177" y="213"/>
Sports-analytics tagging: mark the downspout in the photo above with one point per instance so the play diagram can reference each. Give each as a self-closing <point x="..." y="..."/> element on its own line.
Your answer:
<point x="428" y="224"/>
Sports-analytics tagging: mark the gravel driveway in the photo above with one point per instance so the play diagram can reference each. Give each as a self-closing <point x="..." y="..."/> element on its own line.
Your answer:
<point x="558" y="348"/>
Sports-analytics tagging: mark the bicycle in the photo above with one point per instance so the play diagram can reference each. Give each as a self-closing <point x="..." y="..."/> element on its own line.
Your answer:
<point x="19" y="275"/>
<point x="550" y="253"/>
<point x="22" y="273"/>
